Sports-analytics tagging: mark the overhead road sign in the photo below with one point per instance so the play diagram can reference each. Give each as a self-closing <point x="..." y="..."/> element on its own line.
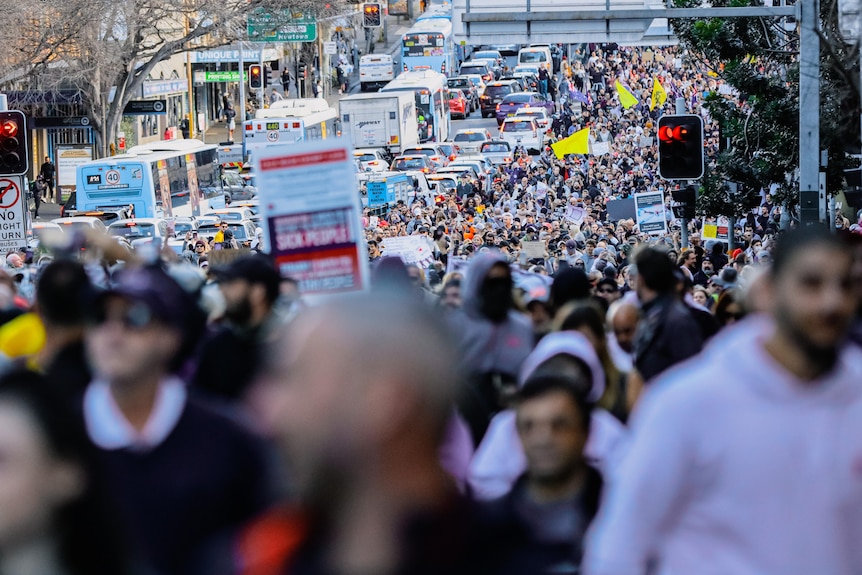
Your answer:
<point x="280" y="26"/>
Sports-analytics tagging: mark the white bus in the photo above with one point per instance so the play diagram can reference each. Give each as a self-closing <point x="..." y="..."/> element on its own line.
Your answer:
<point x="290" y="121"/>
<point x="432" y="102"/>
<point x="166" y="179"/>
<point x="429" y="45"/>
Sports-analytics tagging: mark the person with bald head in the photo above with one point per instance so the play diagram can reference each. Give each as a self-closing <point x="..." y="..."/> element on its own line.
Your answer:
<point x="360" y="421"/>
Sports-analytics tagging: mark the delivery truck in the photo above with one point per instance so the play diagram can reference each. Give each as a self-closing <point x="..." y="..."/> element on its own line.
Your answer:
<point x="380" y="121"/>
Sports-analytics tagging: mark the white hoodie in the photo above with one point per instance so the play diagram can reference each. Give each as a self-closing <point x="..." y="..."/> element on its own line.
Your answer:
<point x="500" y="459"/>
<point x="735" y="467"/>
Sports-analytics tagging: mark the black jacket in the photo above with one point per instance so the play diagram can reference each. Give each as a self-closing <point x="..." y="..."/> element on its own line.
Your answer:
<point x="667" y="335"/>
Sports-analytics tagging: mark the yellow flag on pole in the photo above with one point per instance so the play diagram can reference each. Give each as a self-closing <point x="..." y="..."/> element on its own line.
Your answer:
<point x="627" y="99"/>
<point x="659" y="95"/>
<point x="577" y="143"/>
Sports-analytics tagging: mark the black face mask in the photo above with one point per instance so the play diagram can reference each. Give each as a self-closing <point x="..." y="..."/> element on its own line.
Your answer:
<point x="495" y="298"/>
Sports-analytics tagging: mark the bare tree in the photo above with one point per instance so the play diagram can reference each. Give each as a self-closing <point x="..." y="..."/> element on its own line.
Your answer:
<point x="105" y="49"/>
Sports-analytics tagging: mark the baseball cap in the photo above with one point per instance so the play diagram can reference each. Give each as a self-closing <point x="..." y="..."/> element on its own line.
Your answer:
<point x="570" y="245"/>
<point x="166" y="300"/>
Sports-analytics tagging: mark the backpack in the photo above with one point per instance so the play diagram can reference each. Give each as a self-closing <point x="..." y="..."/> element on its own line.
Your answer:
<point x="230" y="113"/>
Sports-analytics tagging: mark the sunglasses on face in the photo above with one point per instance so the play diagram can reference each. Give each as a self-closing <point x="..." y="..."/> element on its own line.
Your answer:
<point x="135" y="317"/>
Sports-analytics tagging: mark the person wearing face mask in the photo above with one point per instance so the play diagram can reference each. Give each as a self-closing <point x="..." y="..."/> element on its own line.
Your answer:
<point x="494" y="339"/>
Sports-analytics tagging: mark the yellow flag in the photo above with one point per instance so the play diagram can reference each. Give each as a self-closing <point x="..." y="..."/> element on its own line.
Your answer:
<point x="627" y="99"/>
<point x="577" y="143"/>
<point x="659" y="95"/>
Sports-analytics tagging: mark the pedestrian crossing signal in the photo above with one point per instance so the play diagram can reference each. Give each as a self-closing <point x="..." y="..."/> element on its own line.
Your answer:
<point x="371" y="15"/>
<point x="14" y="143"/>
<point x="680" y="147"/>
<point x="255" y="77"/>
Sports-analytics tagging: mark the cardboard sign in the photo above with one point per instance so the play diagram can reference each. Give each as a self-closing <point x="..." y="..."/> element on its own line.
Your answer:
<point x="533" y="249"/>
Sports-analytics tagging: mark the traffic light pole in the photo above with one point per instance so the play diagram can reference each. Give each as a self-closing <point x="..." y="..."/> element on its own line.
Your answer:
<point x="241" y="85"/>
<point x="680" y="110"/>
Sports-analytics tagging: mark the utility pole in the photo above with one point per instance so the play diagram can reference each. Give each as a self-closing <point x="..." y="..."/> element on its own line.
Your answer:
<point x="241" y="85"/>
<point x="809" y="112"/>
<point x="680" y="110"/>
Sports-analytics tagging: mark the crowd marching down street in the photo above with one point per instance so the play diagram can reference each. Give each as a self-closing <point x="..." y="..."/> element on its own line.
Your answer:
<point x="553" y="389"/>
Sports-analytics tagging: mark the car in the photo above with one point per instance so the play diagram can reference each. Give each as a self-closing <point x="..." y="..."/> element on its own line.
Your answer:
<point x="243" y="232"/>
<point x="494" y="94"/>
<point x="183" y="225"/>
<point x="236" y="187"/>
<point x="479" y="163"/>
<point x="482" y="68"/>
<point x="526" y="69"/>
<point x="464" y="84"/>
<point x="140" y="230"/>
<point x="456" y="171"/>
<point x="233" y="214"/>
<point x="450" y="149"/>
<point x="418" y="162"/>
<point x="529" y="80"/>
<point x="513" y="102"/>
<point x="70" y="206"/>
<point x="448" y="182"/>
<point x="497" y="151"/>
<point x="108" y="216"/>
<point x="522" y="131"/>
<point x="506" y="49"/>
<point x="371" y="160"/>
<point x="489" y="54"/>
<point x="253" y="205"/>
<point x="469" y="140"/>
<point x="458" y="105"/>
<point x="80" y="223"/>
<point x="543" y="119"/>
<point x="493" y="63"/>
<point x="436" y="154"/>
<point x="477" y="81"/>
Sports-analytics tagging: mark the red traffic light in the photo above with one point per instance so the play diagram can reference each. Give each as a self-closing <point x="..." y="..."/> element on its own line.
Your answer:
<point x="674" y="133"/>
<point x="9" y="129"/>
<point x="372" y="8"/>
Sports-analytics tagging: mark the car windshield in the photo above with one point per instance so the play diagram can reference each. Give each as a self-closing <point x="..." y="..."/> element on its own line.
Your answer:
<point x="460" y="83"/>
<point x="485" y="55"/>
<point x="531" y="113"/>
<point x="239" y="231"/>
<point x="470" y="137"/>
<point x="228" y="216"/>
<point x="517" y="99"/>
<point x="365" y="157"/>
<point x="495" y="148"/>
<point x="133" y="230"/>
<point x="421" y="151"/>
<point x="410" y="164"/>
<point x="446" y="183"/>
<point x="532" y="57"/>
<point x="183" y="227"/>
<point x="498" y="91"/>
<point x="475" y="69"/>
<point x="517" y="126"/>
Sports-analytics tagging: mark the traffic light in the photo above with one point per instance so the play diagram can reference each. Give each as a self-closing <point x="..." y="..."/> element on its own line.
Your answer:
<point x="303" y="70"/>
<point x="267" y="76"/>
<point x="680" y="147"/>
<point x="686" y="200"/>
<point x="371" y="15"/>
<point x="255" y="77"/>
<point x="14" y="143"/>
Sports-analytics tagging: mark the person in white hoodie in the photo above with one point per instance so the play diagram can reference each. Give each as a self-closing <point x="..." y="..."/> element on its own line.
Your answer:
<point x="747" y="459"/>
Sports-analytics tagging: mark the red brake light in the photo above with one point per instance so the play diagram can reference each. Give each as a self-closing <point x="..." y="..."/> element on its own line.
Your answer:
<point x="498" y="107"/>
<point x="248" y="128"/>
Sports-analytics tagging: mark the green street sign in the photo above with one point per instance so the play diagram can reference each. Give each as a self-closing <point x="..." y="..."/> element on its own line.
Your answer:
<point x="283" y="26"/>
<point x="222" y="76"/>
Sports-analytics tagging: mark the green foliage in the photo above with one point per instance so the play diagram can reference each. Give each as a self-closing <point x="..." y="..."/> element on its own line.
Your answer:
<point x="756" y="57"/>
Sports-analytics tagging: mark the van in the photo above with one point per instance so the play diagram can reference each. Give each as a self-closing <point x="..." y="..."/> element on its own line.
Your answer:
<point x="375" y="71"/>
<point x="536" y="56"/>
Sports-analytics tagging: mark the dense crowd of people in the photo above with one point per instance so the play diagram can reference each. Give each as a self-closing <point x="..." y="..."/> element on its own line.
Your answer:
<point x="609" y="403"/>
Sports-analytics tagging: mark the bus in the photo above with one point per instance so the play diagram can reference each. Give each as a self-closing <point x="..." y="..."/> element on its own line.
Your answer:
<point x="430" y="90"/>
<point x="166" y="179"/>
<point x="290" y="121"/>
<point x="429" y="45"/>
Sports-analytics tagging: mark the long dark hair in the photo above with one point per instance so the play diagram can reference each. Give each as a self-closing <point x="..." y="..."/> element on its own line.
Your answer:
<point x="88" y="539"/>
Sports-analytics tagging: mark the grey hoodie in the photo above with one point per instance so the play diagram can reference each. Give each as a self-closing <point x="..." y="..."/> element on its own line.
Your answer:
<point x="485" y="346"/>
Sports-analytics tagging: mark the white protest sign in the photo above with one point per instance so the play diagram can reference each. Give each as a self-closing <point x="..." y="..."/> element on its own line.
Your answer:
<point x="411" y="250"/>
<point x="575" y="214"/>
<point x="533" y="249"/>
<point x="650" y="213"/>
<point x="601" y="148"/>
<point x="312" y="215"/>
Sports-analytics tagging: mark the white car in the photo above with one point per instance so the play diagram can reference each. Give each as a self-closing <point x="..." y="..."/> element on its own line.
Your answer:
<point x="522" y="131"/>
<point x="233" y="214"/>
<point x="538" y="114"/>
<point x="140" y="230"/>
<point x="80" y="223"/>
<point x="477" y="81"/>
<point x="371" y="160"/>
<point x="470" y="140"/>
